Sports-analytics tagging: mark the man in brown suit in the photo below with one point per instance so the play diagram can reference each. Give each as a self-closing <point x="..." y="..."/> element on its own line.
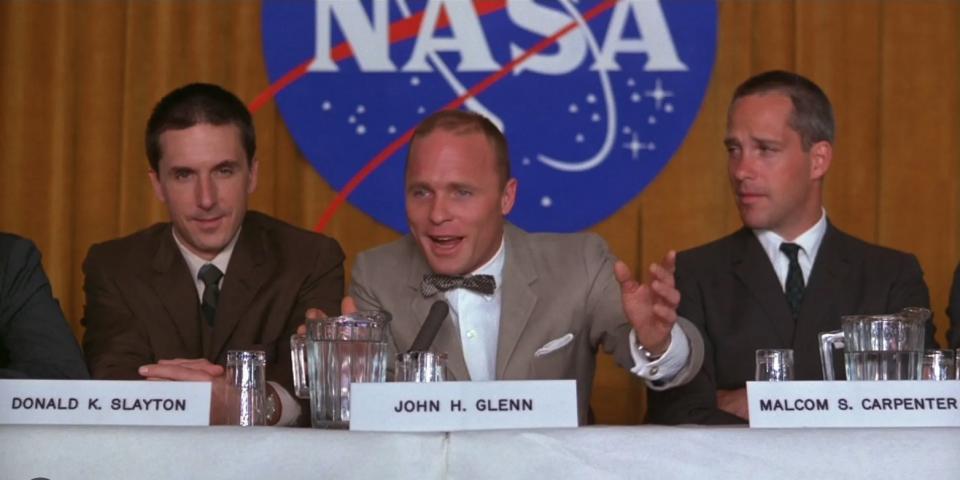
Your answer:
<point x="168" y="302"/>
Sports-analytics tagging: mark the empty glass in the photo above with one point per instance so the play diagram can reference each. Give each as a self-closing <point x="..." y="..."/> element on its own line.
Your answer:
<point x="420" y="367"/>
<point x="246" y="394"/>
<point x="939" y="365"/>
<point x="774" y="365"/>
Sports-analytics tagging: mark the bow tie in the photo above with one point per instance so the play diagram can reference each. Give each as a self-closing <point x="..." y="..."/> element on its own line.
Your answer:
<point x="435" y="282"/>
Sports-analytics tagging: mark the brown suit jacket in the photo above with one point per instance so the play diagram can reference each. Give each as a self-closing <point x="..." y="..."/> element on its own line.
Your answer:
<point x="142" y="305"/>
<point x="729" y="289"/>
<point x="553" y="285"/>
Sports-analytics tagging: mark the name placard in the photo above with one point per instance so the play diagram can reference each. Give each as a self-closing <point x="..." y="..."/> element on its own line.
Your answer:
<point x="854" y="404"/>
<point x="455" y="406"/>
<point x="104" y="402"/>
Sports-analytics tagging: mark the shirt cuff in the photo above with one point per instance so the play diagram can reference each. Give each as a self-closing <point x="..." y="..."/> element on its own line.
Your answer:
<point x="290" y="407"/>
<point x="666" y="367"/>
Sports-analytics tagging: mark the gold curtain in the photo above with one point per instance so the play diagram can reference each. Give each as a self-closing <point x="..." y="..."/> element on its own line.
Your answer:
<point x="78" y="81"/>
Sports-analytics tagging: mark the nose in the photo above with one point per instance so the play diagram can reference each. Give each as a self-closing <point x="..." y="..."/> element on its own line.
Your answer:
<point x="741" y="167"/>
<point x="206" y="193"/>
<point x="439" y="211"/>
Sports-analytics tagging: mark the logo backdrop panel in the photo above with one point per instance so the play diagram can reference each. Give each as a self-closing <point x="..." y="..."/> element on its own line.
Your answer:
<point x="591" y="118"/>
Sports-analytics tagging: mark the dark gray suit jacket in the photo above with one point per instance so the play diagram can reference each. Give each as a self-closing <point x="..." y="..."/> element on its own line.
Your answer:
<point x="142" y="305"/>
<point x="730" y="291"/>
<point x="953" y="311"/>
<point x="553" y="285"/>
<point x="35" y="339"/>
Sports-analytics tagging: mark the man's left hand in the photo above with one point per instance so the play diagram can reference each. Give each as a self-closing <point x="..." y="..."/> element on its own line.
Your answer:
<point x="651" y="309"/>
<point x="193" y="370"/>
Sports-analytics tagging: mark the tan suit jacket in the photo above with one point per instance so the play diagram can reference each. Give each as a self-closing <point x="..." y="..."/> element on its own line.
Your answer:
<point x="553" y="284"/>
<point x="142" y="305"/>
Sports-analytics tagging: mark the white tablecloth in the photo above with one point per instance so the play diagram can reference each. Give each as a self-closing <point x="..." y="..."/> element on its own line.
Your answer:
<point x="54" y="452"/>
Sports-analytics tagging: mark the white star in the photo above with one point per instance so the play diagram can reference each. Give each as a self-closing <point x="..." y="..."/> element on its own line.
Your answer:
<point x="361" y="129"/>
<point x="351" y="119"/>
<point x="573" y="108"/>
<point x="631" y="82"/>
<point x="361" y="109"/>
<point x="326" y="105"/>
<point x="635" y="97"/>
<point x="546" y="202"/>
<point x="591" y="98"/>
<point x="635" y="146"/>
<point x="391" y="129"/>
<point x="420" y="109"/>
<point x="414" y="80"/>
<point x="579" y="138"/>
<point x="651" y="119"/>
<point x="595" y="117"/>
<point x="668" y="108"/>
<point x="658" y="93"/>
<point x="626" y="129"/>
<point x="526" y="160"/>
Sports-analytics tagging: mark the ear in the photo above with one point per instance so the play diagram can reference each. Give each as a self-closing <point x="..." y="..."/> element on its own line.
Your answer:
<point x="821" y="155"/>
<point x="157" y="187"/>
<point x="509" y="196"/>
<point x="254" y="168"/>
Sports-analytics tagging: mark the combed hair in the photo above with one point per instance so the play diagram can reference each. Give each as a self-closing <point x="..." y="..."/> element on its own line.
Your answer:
<point x="461" y="122"/>
<point x="812" y="115"/>
<point x="194" y="104"/>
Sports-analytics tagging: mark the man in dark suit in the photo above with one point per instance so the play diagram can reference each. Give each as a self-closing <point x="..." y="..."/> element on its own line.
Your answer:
<point x="953" y="311"/>
<point x="522" y="306"/>
<point x="788" y="274"/>
<point x="35" y="339"/>
<point x="169" y="301"/>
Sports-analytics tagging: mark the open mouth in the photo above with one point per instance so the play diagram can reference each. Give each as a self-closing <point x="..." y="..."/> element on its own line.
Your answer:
<point x="444" y="243"/>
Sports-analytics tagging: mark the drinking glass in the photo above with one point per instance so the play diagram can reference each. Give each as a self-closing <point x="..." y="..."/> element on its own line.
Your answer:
<point x="774" y="365"/>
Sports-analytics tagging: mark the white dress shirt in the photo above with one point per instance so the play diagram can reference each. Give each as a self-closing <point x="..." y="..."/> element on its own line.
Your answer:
<point x="809" y="242"/>
<point x="477" y="317"/>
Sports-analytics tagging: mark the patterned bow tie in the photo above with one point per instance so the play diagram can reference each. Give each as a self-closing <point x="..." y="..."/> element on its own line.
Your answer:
<point x="434" y="282"/>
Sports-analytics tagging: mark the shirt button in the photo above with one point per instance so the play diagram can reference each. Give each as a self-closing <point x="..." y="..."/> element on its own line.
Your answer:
<point x="654" y="370"/>
<point x="471" y="333"/>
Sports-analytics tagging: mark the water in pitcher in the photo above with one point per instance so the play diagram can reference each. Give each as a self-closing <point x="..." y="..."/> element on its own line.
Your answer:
<point x="884" y="365"/>
<point x="338" y="363"/>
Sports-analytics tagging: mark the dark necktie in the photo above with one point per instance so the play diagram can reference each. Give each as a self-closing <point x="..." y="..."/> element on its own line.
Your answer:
<point x="210" y="275"/>
<point x="435" y="282"/>
<point x="794" y="284"/>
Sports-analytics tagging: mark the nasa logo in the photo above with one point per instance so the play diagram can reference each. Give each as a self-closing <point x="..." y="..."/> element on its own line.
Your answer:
<point x="594" y="96"/>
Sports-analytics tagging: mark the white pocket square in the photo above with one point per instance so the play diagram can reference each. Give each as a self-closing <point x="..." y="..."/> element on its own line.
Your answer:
<point x="554" y="344"/>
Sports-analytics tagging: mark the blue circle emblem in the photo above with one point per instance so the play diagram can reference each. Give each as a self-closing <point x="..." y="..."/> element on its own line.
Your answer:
<point x="594" y="96"/>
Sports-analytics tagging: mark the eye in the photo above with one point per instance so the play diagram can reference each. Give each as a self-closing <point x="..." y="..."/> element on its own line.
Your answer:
<point x="182" y="174"/>
<point x="462" y="192"/>
<point x="418" y="192"/>
<point x="225" y="170"/>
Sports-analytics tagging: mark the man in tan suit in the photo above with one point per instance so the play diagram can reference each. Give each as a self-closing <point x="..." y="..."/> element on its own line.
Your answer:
<point x="168" y="302"/>
<point x="543" y="303"/>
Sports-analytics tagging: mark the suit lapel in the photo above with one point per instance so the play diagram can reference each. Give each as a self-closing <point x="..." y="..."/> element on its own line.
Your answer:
<point x="753" y="268"/>
<point x="177" y="292"/>
<point x="517" y="297"/>
<point x="448" y="338"/>
<point x="250" y="266"/>
<point x="828" y="287"/>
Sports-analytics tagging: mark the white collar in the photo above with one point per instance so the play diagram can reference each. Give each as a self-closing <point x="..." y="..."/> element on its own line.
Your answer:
<point x="494" y="266"/>
<point x="809" y="240"/>
<point x="194" y="262"/>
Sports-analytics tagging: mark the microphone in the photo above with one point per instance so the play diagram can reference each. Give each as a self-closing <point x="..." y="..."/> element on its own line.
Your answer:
<point x="431" y="326"/>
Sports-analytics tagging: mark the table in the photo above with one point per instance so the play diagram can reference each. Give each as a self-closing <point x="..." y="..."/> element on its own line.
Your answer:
<point x="67" y="452"/>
